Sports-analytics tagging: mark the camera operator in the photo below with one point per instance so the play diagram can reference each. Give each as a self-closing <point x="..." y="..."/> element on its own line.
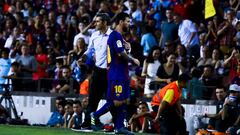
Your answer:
<point x="5" y="64"/>
<point x="15" y="75"/>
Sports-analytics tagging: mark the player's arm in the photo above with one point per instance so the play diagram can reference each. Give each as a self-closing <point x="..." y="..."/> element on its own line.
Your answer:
<point x="129" y="58"/>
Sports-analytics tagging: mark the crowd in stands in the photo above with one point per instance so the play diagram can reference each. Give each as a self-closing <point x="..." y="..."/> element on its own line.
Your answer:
<point x="44" y="40"/>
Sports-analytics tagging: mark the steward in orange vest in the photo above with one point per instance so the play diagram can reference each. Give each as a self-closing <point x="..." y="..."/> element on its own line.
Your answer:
<point x="166" y="103"/>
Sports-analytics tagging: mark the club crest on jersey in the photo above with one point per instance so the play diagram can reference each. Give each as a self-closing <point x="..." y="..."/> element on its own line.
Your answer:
<point x="119" y="43"/>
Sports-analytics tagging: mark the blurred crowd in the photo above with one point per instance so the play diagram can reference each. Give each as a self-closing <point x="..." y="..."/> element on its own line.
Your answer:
<point x="45" y="37"/>
<point x="44" y="40"/>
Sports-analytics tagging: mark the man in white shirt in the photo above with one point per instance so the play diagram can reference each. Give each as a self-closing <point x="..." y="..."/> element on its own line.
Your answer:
<point x="187" y="33"/>
<point x="84" y="32"/>
<point x="98" y="45"/>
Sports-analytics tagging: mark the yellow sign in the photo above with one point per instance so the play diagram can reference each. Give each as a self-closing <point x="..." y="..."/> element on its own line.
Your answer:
<point x="209" y="9"/>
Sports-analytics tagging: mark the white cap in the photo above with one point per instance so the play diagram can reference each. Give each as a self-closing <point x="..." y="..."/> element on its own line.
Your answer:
<point x="234" y="87"/>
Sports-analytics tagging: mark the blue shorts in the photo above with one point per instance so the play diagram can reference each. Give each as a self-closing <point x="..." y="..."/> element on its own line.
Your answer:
<point x="118" y="90"/>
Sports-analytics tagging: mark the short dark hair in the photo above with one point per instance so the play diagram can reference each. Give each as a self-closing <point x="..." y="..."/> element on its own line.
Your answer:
<point x="77" y="102"/>
<point x="142" y="103"/>
<point x="121" y="17"/>
<point x="61" y="98"/>
<point x="66" y="67"/>
<point x="183" y="77"/>
<point x="196" y="72"/>
<point x="16" y="64"/>
<point x="6" y="50"/>
<point x="104" y="16"/>
<point x="220" y="86"/>
<point x="69" y="102"/>
<point x="62" y="103"/>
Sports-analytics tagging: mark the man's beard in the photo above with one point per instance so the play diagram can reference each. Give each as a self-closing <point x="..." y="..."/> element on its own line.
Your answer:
<point x="125" y="29"/>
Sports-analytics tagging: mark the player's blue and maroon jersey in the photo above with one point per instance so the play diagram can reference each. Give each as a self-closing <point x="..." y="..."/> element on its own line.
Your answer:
<point x="118" y="67"/>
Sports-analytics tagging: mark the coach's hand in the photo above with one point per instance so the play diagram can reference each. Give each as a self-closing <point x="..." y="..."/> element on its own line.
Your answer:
<point x="136" y="61"/>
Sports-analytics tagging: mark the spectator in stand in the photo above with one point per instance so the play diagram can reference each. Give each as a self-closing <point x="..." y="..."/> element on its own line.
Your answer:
<point x="42" y="60"/>
<point x="72" y="6"/>
<point x="148" y="40"/>
<point x="150" y="67"/>
<point x="142" y="121"/>
<point x="84" y="31"/>
<point x="13" y="39"/>
<point x="195" y="87"/>
<point x="135" y="13"/>
<point x="211" y="35"/>
<point x="48" y="37"/>
<point x="67" y="84"/>
<point x="237" y="36"/>
<point x="169" y="30"/>
<point x="169" y="71"/>
<point x="105" y="8"/>
<point x="52" y="21"/>
<point x="232" y="63"/>
<point x="134" y="40"/>
<point x="28" y="65"/>
<point x="57" y="73"/>
<point x="210" y="80"/>
<point x="76" y="120"/>
<point x="206" y="58"/>
<point x="82" y="12"/>
<point x="71" y="31"/>
<point x="58" y="48"/>
<point x="77" y="52"/>
<point x="216" y="62"/>
<point x="226" y="33"/>
<point x="182" y="59"/>
<point x="61" y="20"/>
<point x="188" y="35"/>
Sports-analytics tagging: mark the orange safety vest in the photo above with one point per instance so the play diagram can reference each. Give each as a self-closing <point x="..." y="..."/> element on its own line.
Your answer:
<point x="157" y="98"/>
<point x="84" y="87"/>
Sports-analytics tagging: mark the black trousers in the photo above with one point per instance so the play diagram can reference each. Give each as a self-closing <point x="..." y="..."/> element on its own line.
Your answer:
<point x="170" y="123"/>
<point x="97" y="90"/>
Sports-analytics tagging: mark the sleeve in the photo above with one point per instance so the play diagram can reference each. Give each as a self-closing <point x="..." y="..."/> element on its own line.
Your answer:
<point x="75" y="41"/>
<point x="191" y="26"/>
<point x="168" y="97"/>
<point x="117" y="42"/>
<point x="90" y="45"/>
<point x="142" y="40"/>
